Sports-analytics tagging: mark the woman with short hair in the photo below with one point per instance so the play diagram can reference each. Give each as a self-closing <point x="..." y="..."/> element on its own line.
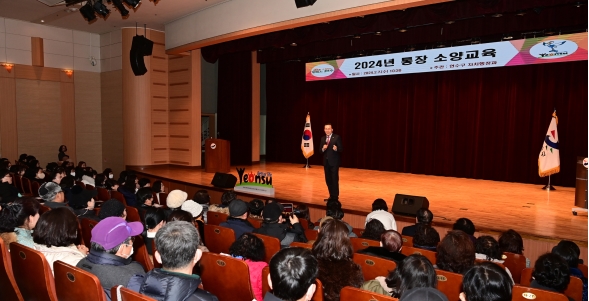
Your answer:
<point x="455" y="253"/>
<point x="486" y="282"/>
<point x="250" y="248"/>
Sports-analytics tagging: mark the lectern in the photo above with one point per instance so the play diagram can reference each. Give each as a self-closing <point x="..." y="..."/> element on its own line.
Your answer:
<point x="217" y="155"/>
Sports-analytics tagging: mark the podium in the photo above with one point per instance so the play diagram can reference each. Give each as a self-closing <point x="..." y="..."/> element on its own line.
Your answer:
<point x="217" y="155"/>
<point x="580" y="187"/>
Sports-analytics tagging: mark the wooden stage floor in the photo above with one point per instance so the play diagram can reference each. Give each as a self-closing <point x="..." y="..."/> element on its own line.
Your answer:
<point x="492" y="206"/>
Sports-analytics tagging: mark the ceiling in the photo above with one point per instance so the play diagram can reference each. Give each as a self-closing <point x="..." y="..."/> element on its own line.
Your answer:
<point x="154" y="15"/>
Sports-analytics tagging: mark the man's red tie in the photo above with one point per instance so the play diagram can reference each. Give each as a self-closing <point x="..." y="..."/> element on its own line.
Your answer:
<point x="328" y="138"/>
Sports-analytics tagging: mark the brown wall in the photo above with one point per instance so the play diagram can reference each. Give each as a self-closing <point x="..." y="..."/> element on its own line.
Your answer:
<point x="111" y="92"/>
<point x="87" y="94"/>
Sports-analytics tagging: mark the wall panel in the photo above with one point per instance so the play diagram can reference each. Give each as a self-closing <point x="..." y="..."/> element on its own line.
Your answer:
<point x="8" y="125"/>
<point x="88" y="118"/>
<point x="111" y="94"/>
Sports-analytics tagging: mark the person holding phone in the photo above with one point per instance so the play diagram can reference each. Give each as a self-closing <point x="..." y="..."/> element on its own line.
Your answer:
<point x="331" y="146"/>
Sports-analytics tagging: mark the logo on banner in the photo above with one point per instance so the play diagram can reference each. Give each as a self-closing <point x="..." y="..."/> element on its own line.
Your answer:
<point x="322" y="70"/>
<point x="553" y="49"/>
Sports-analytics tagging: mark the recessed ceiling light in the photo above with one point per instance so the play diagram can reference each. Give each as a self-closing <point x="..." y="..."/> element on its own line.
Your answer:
<point x="449" y="22"/>
<point x="497" y="15"/>
<point x="402" y="29"/>
<point x="293" y="44"/>
<point x="42" y="21"/>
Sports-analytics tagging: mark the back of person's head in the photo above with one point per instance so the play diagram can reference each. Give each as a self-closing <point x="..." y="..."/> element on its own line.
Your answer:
<point x="573" y="246"/>
<point x="112" y="207"/>
<point x="489" y="246"/>
<point x="424" y="216"/>
<point x="292" y="274"/>
<point x="180" y="215"/>
<point x="144" y="182"/>
<point x="249" y="247"/>
<point x="176" y="198"/>
<point x="99" y="180"/>
<point x="465" y="225"/>
<point x="130" y="183"/>
<point x="391" y="240"/>
<point x="157" y="186"/>
<point x="144" y="194"/>
<point x="486" y="281"/>
<point x="22" y="158"/>
<point x="202" y="197"/>
<point x="568" y="254"/>
<point x="333" y="242"/>
<point x="380" y="204"/>
<point x="413" y="272"/>
<point x="510" y="241"/>
<point x="422" y="294"/>
<point x="455" y="252"/>
<point x="57" y="227"/>
<point x="111" y="184"/>
<point x="67" y="182"/>
<point x="552" y="271"/>
<point x="256" y="207"/>
<point x="227" y="197"/>
<point x="177" y="245"/>
<point x="302" y="211"/>
<point x="334" y="209"/>
<point x="8" y="217"/>
<point x="373" y="230"/>
<point x="51" y="166"/>
<point x="153" y="217"/>
<point x="426" y="236"/>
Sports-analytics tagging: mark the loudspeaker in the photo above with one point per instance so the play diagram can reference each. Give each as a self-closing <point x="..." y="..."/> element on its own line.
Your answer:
<point x="303" y="3"/>
<point x="140" y="47"/>
<point x="409" y="204"/>
<point x="224" y="180"/>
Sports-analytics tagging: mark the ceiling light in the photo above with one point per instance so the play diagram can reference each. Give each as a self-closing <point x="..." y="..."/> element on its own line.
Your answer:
<point x="440" y="45"/>
<point x="475" y="41"/>
<point x="120" y="7"/>
<point x="88" y="12"/>
<point x="497" y="15"/>
<point x="293" y="44"/>
<point x="449" y="22"/>
<point x="133" y="3"/>
<point x="100" y="9"/>
<point x="549" y="32"/>
<point x="578" y="4"/>
<point x="402" y="29"/>
<point x="378" y="33"/>
<point x="410" y="48"/>
<point x="507" y="37"/>
<point x="357" y="36"/>
<point x="521" y="13"/>
<point x="42" y="21"/>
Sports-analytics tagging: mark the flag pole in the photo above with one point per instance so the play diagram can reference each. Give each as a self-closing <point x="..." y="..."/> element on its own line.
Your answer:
<point x="548" y="186"/>
<point x="307" y="165"/>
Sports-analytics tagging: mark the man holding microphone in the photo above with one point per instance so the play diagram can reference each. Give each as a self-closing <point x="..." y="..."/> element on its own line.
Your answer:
<point x="331" y="148"/>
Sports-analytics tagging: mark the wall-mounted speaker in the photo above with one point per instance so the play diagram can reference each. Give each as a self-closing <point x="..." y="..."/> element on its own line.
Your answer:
<point x="140" y="47"/>
<point x="303" y="3"/>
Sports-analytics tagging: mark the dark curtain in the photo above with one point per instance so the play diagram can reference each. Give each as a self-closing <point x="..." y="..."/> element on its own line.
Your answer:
<point x="234" y="105"/>
<point x="483" y="124"/>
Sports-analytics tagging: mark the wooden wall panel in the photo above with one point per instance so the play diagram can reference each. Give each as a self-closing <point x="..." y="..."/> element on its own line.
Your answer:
<point x="8" y="125"/>
<point x="37" y="52"/>
<point x="88" y="118"/>
<point x="111" y="94"/>
<point x="196" y="107"/>
<point x="159" y="101"/>
<point x="68" y="120"/>
<point x="255" y="108"/>
<point x="38" y="73"/>
<point x="180" y="123"/>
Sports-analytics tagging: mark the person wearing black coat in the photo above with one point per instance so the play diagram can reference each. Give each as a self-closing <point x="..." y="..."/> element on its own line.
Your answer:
<point x="8" y="193"/>
<point x="274" y="225"/>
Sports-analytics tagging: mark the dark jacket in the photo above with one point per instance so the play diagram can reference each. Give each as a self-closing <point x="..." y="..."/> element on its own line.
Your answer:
<point x="535" y="284"/>
<point x="110" y="269"/>
<point x="162" y="285"/>
<point x="238" y="225"/>
<point x="575" y="272"/>
<point x="335" y="275"/>
<point x="8" y="193"/>
<point x="283" y="232"/>
<point x="85" y="213"/>
<point x="409" y="230"/>
<point x="270" y="297"/>
<point x="383" y="253"/>
<point x="129" y="196"/>
<point x="331" y="157"/>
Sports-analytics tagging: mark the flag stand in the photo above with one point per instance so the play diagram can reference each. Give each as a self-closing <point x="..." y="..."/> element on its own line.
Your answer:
<point x="307" y="165"/>
<point x="548" y="186"/>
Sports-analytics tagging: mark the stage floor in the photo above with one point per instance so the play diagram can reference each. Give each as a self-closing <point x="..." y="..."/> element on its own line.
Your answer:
<point x="491" y="205"/>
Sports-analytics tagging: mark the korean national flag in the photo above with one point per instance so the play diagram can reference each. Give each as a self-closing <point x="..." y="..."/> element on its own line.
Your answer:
<point x="307" y="141"/>
<point x="549" y="159"/>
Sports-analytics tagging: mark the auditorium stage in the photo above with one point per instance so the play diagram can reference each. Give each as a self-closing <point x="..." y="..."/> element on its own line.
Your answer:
<point x="493" y="206"/>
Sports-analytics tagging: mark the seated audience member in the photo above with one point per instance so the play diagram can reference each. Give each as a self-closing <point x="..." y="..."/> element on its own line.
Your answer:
<point x="128" y="190"/>
<point x="61" y="153"/>
<point x="100" y="181"/>
<point x="391" y="243"/>
<point x="565" y="250"/>
<point x="423" y="216"/>
<point x="178" y="252"/>
<point x="18" y="170"/>
<point x="112" y="185"/>
<point x="334" y="253"/>
<point x="57" y="175"/>
<point x="32" y="170"/>
<point x="195" y="209"/>
<point x="22" y="159"/>
<point x="302" y="212"/>
<point x="52" y="195"/>
<point x="424" y="293"/>
<point x="5" y="164"/>
<point x="373" y="230"/>
<point x="185" y="216"/>
<point x="175" y="200"/>
<point x="110" y="253"/>
<point x="144" y="182"/>
<point x="155" y="219"/>
<point x="158" y="187"/>
<point x="83" y="202"/>
<point x="144" y="197"/>
<point x="39" y="175"/>
<point x="572" y="245"/>
<point x="465" y="225"/>
<point x="250" y="248"/>
<point x="380" y="212"/>
<point x="237" y="219"/>
<point x="8" y="193"/>
<point x="274" y="225"/>
<point x="112" y="207"/>
<point x="8" y="222"/>
<point x="334" y="209"/>
<point x="486" y="282"/>
<point x="88" y="177"/>
<point x="413" y="272"/>
<point x="55" y="236"/>
<point x="226" y="198"/>
<point x="66" y="184"/>
<point x="487" y="248"/>
<point x="204" y="199"/>
<point x="551" y="273"/>
<point x="292" y="275"/>
<point x="426" y="237"/>
<point x="108" y="174"/>
<point x="256" y="207"/>
<point x="455" y="253"/>
<point x="26" y="220"/>
<point x="81" y="164"/>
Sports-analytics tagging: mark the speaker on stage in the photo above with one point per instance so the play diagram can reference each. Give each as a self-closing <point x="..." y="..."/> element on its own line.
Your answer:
<point x="140" y="47"/>
<point x="409" y="204"/>
<point x="224" y="180"/>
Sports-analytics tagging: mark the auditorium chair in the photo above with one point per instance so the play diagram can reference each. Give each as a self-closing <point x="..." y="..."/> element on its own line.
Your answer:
<point x="515" y="263"/>
<point x="18" y="182"/>
<point x="140" y="253"/>
<point x="103" y="194"/>
<point x="583" y="268"/>
<point x="35" y="188"/>
<point x="219" y="239"/>
<point x="225" y="277"/>
<point x="133" y="214"/>
<point x="363" y="243"/>
<point x="118" y="196"/>
<point x="8" y="287"/>
<point x="163" y="197"/>
<point x="87" y="224"/>
<point x="311" y="234"/>
<point x="305" y="245"/>
<point x="128" y="295"/>
<point x="373" y="266"/>
<point x="156" y="264"/>
<point x="255" y="222"/>
<point x="216" y="218"/>
<point x="449" y="283"/>
<point x="271" y="244"/>
<point x="430" y="255"/>
<point x="522" y="293"/>
<point x="32" y="273"/>
<point x="43" y="209"/>
<point x="358" y="231"/>
<point x="318" y="296"/>
<point x="89" y="187"/>
<point x="72" y="283"/>
<point x="407" y="241"/>
<point x="306" y="223"/>
<point x="26" y="186"/>
<point x="497" y="263"/>
<point x="349" y="293"/>
<point x="574" y="290"/>
<point x="81" y="184"/>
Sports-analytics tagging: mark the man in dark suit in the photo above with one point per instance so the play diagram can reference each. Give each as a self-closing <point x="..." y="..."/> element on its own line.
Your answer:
<point x="331" y="146"/>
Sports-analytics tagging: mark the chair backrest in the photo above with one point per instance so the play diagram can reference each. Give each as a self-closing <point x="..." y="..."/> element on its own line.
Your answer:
<point x="318" y="296"/>
<point x="301" y="245"/>
<point x="128" y="295"/>
<point x="118" y="196"/>
<point x="103" y="194"/>
<point x="521" y="293"/>
<point x="26" y="186"/>
<point x="35" y="188"/>
<point x="449" y="283"/>
<point x="373" y="266"/>
<point x="431" y="255"/>
<point x="43" y="209"/>
<point x="163" y="198"/>
<point x="32" y="273"/>
<point x="133" y="214"/>
<point x="583" y="268"/>
<point x="141" y="255"/>
<point x="18" y="183"/>
<point x="219" y="239"/>
<point x="89" y="187"/>
<point x="81" y="184"/>
<point x="575" y="288"/>
<point x="8" y="285"/>
<point x="87" y="224"/>
<point x="363" y="243"/>
<point x="349" y="293"/>
<point x="271" y="244"/>
<point x="218" y="274"/>
<point x="515" y="263"/>
<point x="156" y="264"/>
<point x="255" y="222"/>
<point x="358" y="231"/>
<point x="216" y="218"/>
<point x="407" y="241"/>
<point x="526" y="276"/>
<point x="311" y="234"/>
<point x="72" y="283"/>
<point x="497" y="263"/>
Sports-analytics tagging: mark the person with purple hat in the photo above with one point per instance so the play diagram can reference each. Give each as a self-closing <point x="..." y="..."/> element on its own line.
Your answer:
<point x="110" y="253"/>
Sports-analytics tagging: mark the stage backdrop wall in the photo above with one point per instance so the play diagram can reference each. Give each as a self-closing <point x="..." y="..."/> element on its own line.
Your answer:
<point x="482" y="124"/>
